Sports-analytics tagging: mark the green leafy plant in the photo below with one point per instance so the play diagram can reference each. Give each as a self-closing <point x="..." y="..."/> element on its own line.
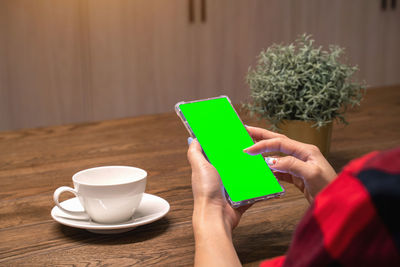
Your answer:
<point x="301" y="82"/>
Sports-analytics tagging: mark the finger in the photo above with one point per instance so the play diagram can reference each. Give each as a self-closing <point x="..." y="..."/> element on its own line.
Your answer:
<point x="293" y="166"/>
<point x="260" y="133"/>
<point x="195" y="155"/>
<point x="282" y="176"/>
<point x="280" y="144"/>
<point x="297" y="181"/>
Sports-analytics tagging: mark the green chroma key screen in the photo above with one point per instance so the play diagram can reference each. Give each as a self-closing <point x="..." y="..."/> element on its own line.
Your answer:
<point x="223" y="137"/>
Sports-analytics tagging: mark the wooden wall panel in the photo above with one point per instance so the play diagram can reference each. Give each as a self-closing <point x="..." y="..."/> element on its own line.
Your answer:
<point x="234" y="34"/>
<point x="4" y="100"/>
<point x="82" y="60"/>
<point x="140" y="57"/>
<point x="71" y="61"/>
<point x="41" y="51"/>
<point x="392" y="47"/>
<point x="368" y="34"/>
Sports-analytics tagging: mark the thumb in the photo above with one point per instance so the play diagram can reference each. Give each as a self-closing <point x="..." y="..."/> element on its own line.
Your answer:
<point x="195" y="155"/>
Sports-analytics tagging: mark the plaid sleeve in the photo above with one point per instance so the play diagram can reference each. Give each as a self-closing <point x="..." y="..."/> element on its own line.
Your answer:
<point x="354" y="221"/>
<point x="275" y="262"/>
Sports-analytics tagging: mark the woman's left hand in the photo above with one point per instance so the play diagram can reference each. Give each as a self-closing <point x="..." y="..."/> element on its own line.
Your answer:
<point x="208" y="194"/>
<point x="213" y="217"/>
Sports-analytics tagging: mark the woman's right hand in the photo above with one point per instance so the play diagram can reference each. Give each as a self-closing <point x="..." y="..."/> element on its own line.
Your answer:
<point x="305" y="166"/>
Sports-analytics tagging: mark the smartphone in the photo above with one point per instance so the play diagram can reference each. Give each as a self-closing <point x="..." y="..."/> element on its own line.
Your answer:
<point x="222" y="136"/>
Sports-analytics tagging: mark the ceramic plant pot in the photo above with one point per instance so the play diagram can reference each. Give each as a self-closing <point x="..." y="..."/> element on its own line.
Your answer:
<point x="303" y="132"/>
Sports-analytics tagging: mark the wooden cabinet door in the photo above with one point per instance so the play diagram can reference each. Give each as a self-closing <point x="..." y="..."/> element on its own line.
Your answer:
<point x="81" y="60"/>
<point x="140" y="56"/>
<point x="41" y="61"/>
<point x="230" y="39"/>
<point x="235" y="32"/>
<point x="369" y="34"/>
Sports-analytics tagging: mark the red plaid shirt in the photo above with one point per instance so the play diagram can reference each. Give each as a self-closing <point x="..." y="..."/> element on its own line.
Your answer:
<point x="354" y="221"/>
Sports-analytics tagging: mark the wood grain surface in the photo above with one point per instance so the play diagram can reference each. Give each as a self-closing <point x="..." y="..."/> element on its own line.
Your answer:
<point x="33" y="163"/>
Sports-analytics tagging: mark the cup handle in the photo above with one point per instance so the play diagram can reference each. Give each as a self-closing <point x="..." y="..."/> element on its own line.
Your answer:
<point x="56" y="195"/>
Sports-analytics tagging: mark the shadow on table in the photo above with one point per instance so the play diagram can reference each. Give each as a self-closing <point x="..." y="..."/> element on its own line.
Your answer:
<point x="258" y="247"/>
<point x="339" y="159"/>
<point x="139" y="234"/>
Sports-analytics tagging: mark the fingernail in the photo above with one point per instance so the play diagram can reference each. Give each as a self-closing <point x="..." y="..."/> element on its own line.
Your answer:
<point x="271" y="161"/>
<point x="190" y="140"/>
<point x="246" y="150"/>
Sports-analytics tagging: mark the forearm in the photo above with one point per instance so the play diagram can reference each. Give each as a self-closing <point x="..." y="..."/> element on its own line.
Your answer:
<point x="213" y="238"/>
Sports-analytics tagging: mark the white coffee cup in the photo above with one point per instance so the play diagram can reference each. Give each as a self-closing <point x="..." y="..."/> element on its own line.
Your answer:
<point x="108" y="194"/>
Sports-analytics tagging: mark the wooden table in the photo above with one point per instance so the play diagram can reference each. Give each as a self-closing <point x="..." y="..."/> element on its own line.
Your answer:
<point x="33" y="163"/>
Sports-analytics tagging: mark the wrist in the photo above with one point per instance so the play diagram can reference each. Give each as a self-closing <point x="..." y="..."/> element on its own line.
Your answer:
<point x="208" y="218"/>
<point x="213" y="236"/>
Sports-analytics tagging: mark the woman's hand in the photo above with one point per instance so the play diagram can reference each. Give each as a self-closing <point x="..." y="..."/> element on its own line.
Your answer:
<point x="208" y="194"/>
<point x="213" y="217"/>
<point x="305" y="167"/>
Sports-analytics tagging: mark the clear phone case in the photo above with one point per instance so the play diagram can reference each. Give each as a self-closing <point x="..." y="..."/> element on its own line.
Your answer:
<point x="232" y="203"/>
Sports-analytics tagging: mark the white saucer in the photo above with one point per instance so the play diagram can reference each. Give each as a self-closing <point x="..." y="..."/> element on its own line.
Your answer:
<point x="151" y="208"/>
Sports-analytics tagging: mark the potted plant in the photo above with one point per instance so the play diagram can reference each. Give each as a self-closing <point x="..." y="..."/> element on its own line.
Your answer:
<point x="301" y="89"/>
